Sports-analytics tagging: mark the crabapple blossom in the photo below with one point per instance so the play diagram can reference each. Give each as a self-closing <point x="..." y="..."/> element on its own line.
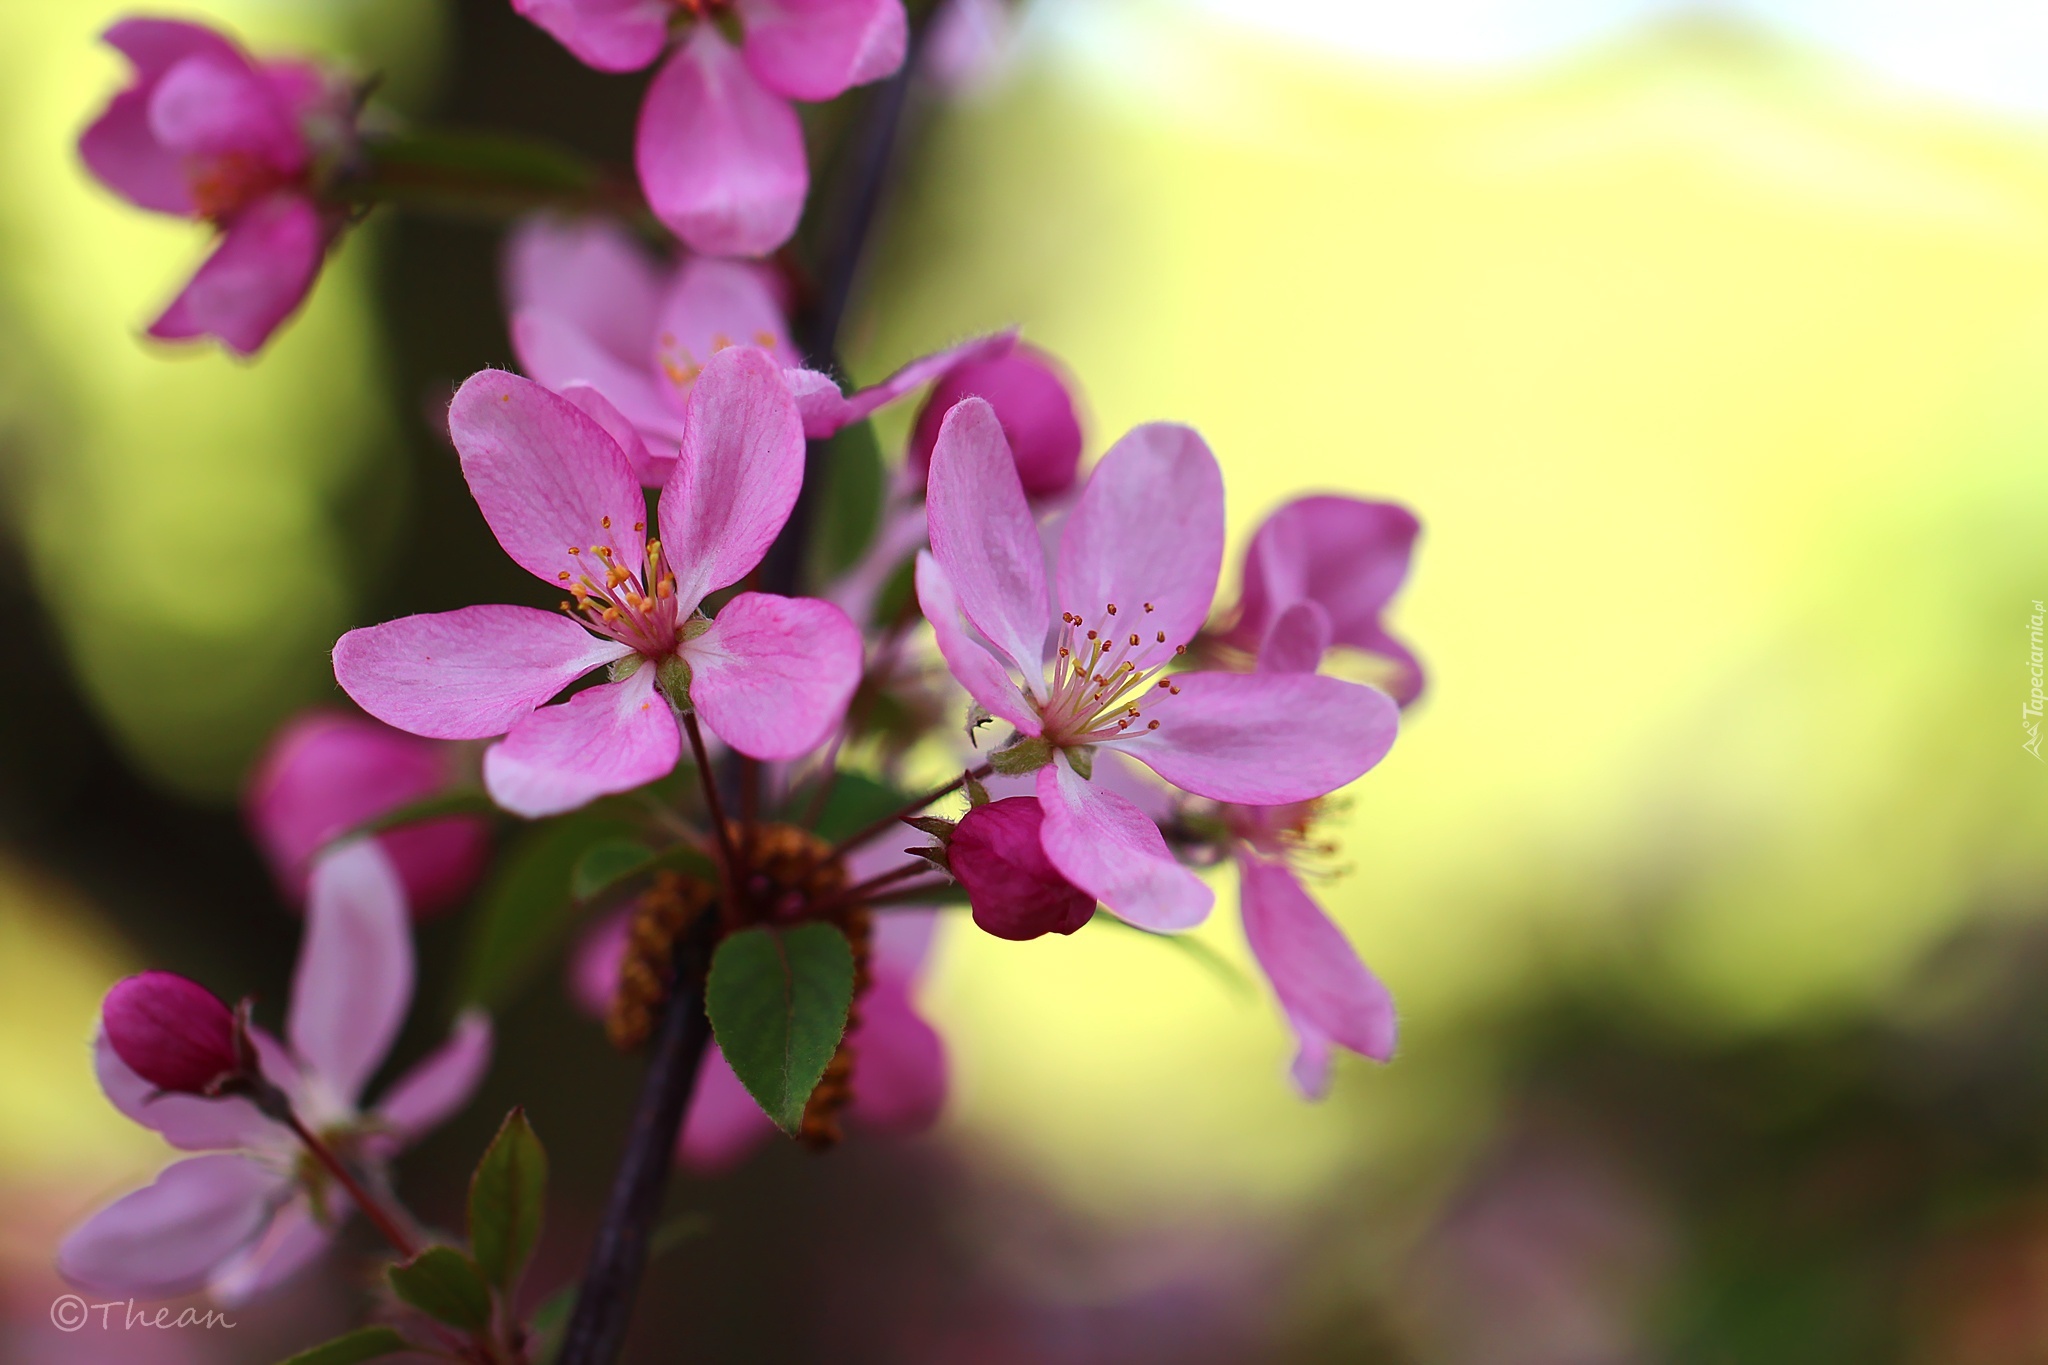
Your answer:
<point x="1134" y="574"/>
<point x="770" y="676"/>
<point x="245" y="1215"/>
<point x="171" y="1031"/>
<point x="719" y="149"/>
<point x="1033" y="400"/>
<point x="327" y="772"/>
<point x="205" y="132"/>
<point x="1012" y="887"/>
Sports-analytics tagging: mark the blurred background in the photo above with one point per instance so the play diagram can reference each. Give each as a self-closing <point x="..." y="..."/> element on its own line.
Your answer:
<point x="1709" y="341"/>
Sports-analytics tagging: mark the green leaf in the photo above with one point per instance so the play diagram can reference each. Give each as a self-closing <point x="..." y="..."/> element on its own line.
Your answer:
<point x="526" y="910"/>
<point x="445" y="1285"/>
<point x="1205" y="956"/>
<point x="365" y="1343"/>
<point x="778" y="1000"/>
<point x="601" y="865"/>
<point x="506" y="1198"/>
<point x="545" y="1328"/>
<point x="850" y="507"/>
<point x="856" y="802"/>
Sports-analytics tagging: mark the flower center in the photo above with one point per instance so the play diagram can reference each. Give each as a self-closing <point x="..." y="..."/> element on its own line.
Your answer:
<point x="1103" y="674"/>
<point x="634" y="605"/>
<point x="224" y="185"/>
<point x="681" y="365"/>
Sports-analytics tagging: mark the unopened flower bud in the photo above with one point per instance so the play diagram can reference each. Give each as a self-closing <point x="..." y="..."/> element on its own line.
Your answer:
<point x="1013" y="888"/>
<point x="1034" y="406"/>
<point x="172" y="1032"/>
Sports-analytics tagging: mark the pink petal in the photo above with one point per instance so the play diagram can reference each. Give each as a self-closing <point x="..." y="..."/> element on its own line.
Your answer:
<point x="547" y="479"/>
<point x="818" y="49"/>
<point x="1329" y="996"/>
<point x="440" y="1084"/>
<point x="611" y="35"/>
<point x="326" y="773"/>
<point x="652" y="458"/>
<point x="558" y="353"/>
<point x="156" y="45"/>
<point x="208" y="106"/>
<point x="1261" y="739"/>
<point x="1033" y="401"/>
<point x="973" y="663"/>
<point x="167" y="1237"/>
<point x="256" y="278"/>
<point x="773" y="675"/>
<point x="721" y="158"/>
<point x="293" y="1241"/>
<point x="737" y="475"/>
<point x="605" y="739"/>
<point x="899" y="1062"/>
<point x="594" y="966"/>
<point x="466" y="674"/>
<point x="123" y="153"/>
<point x="826" y="410"/>
<point x="1015" y="891"/>
<point x="712" y="305"/>
<point x="1297" y="640"/>
<point x="984" y="538"/>
<point x="187" y="1121"/>
<point x="591" y="274"/>
<point x="1147" y="528"/>
<point x="724" y="1122"/>
<point x="1107" y="847"/>
<point x="355" y="973"/>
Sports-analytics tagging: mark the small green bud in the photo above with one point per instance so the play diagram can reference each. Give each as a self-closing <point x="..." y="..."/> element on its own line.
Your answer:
<point x="1023" y="754"/>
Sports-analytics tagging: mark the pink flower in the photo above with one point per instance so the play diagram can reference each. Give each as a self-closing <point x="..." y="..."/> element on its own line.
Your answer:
<point x="242" y="1218"/>
<point x="1135" y="571"/>
<point x="719" y="148"/>
<point x="999" y="860"/>
<point x="326" y="773"/>
<point x="1318" y="573"/>
<point x="205" y="132"/>
<point x="1034" y="403"/>
<point x="599" y="321"/>
<point x="770" y="676"/>
<point x="171" y="1031"/>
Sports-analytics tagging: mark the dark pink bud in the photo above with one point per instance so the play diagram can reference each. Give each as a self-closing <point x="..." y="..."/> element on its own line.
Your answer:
<point x="171" y="1031"/>
<point x="1013" y="887"/>
<point x="1032" y="401"/>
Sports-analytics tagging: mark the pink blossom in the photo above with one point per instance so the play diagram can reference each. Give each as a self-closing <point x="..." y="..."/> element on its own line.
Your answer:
<point x="1134" y="574"/>
<point x="242" y="1218"/>
<point x="205" y="132"/>
<point x="1319" y="572"/>
<point x="326" y="773"/>
<point x="597" y="319"/>
<point x="770" y="676"/>
<point x="171" y="1031"/>
<point x="1013" y="888"/>
<point x="1033" y="400"/>
<point x="719" y="149"/>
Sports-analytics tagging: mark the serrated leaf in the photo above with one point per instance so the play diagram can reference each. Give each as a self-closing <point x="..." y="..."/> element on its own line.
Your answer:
<point x="850" y="505"/>
<point x="856" y="802"/>
<point x="778" y="1000"/>
<point x="365" y="1343"/>
<point x="544" y="1330"/>
<point x="526" y="910"/>
<point x="507" y="1196"/>
<point x="604" y="863"/>
<point x="445" y="1285"/>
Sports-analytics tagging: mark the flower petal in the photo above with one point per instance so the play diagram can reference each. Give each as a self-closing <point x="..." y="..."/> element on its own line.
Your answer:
<point x="899" y="1062"/>
<point x="555" y="350"/>
<point x="441" y="1083"/>
<point x="210" y="106"/>
<point x="123" y="153"/>
<point x="354" y="978"/>
<point x="1106" y="846"/>
<point x="594" y="965"/>
<point x="293" y="1241"/>
<point x="255" y="279"/>
<point x="773" y="675"/>
<point x="157" y="45"/>
<point x="652" y="457"/>
<point x="1261" y="739"/>
<point x="187" y="1121"/>
<point x="605" y="739"/>
<point x="1033" y="400"/>
<point x="736" y="476"/>
<point x="724" y="1122"/>
<point x="818" y="49"/>
<point x="826" y="410"/>
<point x="973" y="664"/>
<point x="712" y="305"/>
<point x="1329" y="996"/>
<point x="610" y="35"/>
<point x="1147" y="528"/>
<point x="591" y="274"/>
<point x="167" y="1237"/>
<point x="984" y="538"/>
<point x="1016" y="893"/>
<point x="1296" y="640"/>
<point x="720" y="157"/>
<point x="466" y="674"/>
<point x="552" y="484"/>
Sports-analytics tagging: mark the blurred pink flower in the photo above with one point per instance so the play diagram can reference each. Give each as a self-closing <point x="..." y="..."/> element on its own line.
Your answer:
<point x="326" y="773"/>
<point x="1013" y="889"/>
<point x="770" y="676"/>
<point x="719" y="149"/>
<point x="599" y="321"/>
<point x="1033" y="401"/>
<point x="241" y="1218"/>
<point x="1135" y="570"/>
<point x="205" y="132"/>
<point x="171" y="1031"/>
<point x="1319" y="572"/>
